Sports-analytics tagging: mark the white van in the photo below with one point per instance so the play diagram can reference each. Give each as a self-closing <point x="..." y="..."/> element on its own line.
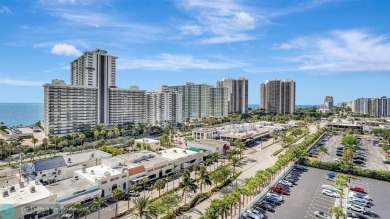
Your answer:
<point x="328" y="187"/>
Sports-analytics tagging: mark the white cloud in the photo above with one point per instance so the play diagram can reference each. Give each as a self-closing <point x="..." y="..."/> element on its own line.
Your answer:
<point x="346" y="50"/>
<point x="5" y="10"/>
<point x="191" y="29"/>
<point x="15" y="82"/>
<point x="65" y="49"/>
<point x="171" y="62"/>
<point x="227" y="39"/>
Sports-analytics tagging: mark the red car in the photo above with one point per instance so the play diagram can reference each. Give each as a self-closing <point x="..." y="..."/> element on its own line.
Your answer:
<point x="279" y="190"/>
<point x="356" y="188"/>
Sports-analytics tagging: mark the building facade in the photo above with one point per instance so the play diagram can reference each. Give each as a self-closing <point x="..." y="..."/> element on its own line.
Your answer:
<point x="67" y="107"/>
<point x="278" y="96"/>
<point x="237" y="94"/>
<point x="163" y="107"/>
<point x="376" y="107"/>
<point x="126" y="105"/>
<point x="202" y="100"/>
<point x="96" y="69"/>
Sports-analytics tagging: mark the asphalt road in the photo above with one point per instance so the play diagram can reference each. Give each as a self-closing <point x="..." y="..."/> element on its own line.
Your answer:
<point x="306" y="197"/>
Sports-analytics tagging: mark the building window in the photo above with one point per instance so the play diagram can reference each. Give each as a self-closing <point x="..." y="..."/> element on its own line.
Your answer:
<point x="123" y="176"/>
<point x="104" y="182"/>
<point x="113" y="179"/>
<point x="152" y="176"/>
<point x="124" y="186"/>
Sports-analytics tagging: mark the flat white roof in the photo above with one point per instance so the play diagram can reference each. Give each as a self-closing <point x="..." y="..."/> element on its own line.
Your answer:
<point x="23" y="195"/>
<point x="97" y="173"/>
<point x="176" y="153"/>
<point x="147" y="140"/>
<point x="84" y="156"/>
<point x="68" y="186"/>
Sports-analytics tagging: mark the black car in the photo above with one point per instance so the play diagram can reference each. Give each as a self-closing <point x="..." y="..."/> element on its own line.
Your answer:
<point x="266" y="206"/>
<point x="358" y="162"/>
<point x="272" y="201"/>
<point x="339" y="154"/>
<point x="356" y="215"/>
<point x="358" y="158"/>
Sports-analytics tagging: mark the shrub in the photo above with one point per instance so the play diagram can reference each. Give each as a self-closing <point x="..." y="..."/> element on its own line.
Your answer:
<point x="277" y="152"/>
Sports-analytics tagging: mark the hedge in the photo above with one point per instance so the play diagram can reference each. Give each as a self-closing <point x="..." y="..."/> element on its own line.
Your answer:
<point x="277" y="152"/>
<point x="334" y="166"/>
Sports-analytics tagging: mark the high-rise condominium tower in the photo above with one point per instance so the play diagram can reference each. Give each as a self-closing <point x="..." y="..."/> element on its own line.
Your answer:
<point x="237" y="94"/>
<point x="278" y="96"/>
<point x="96" y="69"/>
<point x="328" y="102"/>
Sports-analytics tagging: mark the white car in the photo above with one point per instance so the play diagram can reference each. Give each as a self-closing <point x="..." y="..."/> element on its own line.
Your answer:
<point x="359" y="195"/>
<point x="322" y="215"/>
<point x="330" y="193"/>
<point x="356" y="208"/>
<point x="286" y="183"/>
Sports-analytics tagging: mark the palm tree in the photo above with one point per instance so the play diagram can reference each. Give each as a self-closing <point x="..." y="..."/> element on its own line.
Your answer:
<point x="96" y="133"/>
<point x="337" y="211"/>
<point x="116" y="130"/>
<point x="103" y="133"/>
<point x="196" y="168"/>
<point x="159" y="184"/>
<point x="98" y="204"/>
<point x="82" y="137"/>
<point x="3" y="143"/>
<point x="188" y="185"/>
<point x="110" y="134"/>
<point x="117" y="194"/>
<point x="143" y="209"/>
<point x="167" y="180"/>
<point x="86" y="210"/>
<point x="34" y="141"/>
<point x="134" y="187"/>
<point x="235" y="161"/>
<point x="204" y="178"/>
<point x="240" y="146"/>
<point x="45" y="142"/>
<point x="143" y="182"/>
<point x="73" y="207"/>
<point x="73" y="135"/>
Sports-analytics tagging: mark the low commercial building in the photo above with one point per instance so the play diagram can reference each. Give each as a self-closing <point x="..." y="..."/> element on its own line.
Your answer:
<point x="209" y="146"/>
<point x="181" y="158"/>
<point x="27" y="200"/>
<point x="63" y="167"/>
<point x="205" y="133"/>
<point x="106" y="179"/>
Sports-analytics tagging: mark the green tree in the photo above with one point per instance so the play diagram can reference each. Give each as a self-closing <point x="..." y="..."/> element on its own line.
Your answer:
<point x="143" y="209"/>
<point x="337" y="211"/>
<point x="96" y="133"/>
<point x="204" y="178"/>
<point x="110" y="134"/>
<point x="82" y="137"/>
<point x="117" y="194"/>
<point x="73" y="207"/>
<point x="188" y="185"/>
<point x="134" y="187"/>
<point x="159" y="184"/>
<point x="98" y="203"/>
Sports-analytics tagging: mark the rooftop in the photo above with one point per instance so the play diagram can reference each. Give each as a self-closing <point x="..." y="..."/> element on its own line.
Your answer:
<point x="97" y="173"/>
<point x="24" y="195"/>
<point x="209" y="142"/>
<point x="147" y="140"/>
<point x="68" y="186"/>
<point x="176" y="153"/>
<point x="85" y="156"/>
<point x="146" y="158"/>
<point x="52" y="163"/>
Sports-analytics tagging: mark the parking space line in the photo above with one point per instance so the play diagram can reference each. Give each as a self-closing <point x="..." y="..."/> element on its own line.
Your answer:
<point x="316" y="204"/>
<point x="325" y="200"/>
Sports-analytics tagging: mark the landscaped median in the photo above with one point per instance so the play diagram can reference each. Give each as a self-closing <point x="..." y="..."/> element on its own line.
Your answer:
<point x="254" y="185"/>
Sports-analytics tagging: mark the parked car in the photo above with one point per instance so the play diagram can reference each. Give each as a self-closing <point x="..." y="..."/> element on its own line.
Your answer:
<point x="330" y="193"/>
<point x="386" y="161"/>
<point x="272" y="200"/>
<point x="286" y="183"/>
<point x="358" y="161"/>
<point x="279" y="190"/>
<point x="358" y="158"/>
<point x="266" y="206"/>
<point x="339" y="154"/>
<point x="300" y="167"/>
<point x="359" y="195"/>
<point x="330" y="176"/>
<point x="259" y="214"/>
<point x="274" y="195"/>
<point x="328" y="187"/>
<point x="356" y="208"/>
<point x="355" y="215"/>
<point x="356" y="188"/>
<point x="322" y="215"/>
<point x="360" y="200"/>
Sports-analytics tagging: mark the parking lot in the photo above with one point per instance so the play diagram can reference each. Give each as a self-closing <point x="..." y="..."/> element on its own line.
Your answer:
<point x="374" y="159"/>
<point x="306" y="197"/>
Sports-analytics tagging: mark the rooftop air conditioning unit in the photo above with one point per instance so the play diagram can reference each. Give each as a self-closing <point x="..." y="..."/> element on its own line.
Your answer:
<point x="92" y="172"/>
<point x="76" y="177"/>
<point x="5" y="193"/>
<point x="32" y="189"/>
<point x="12" y="189"/>
<point x="69" y="160"/>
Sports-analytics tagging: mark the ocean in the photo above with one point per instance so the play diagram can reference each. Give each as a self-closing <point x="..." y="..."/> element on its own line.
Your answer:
<point x="13" y="114"/>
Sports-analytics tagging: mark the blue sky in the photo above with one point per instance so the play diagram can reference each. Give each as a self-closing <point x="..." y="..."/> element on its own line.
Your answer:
<point x="329" y="47"/>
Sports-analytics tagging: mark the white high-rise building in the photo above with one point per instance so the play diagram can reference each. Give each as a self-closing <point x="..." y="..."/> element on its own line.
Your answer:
<point x="67" y="107"/>
<point x="96" y="69"/>
<point x="377" y="107"/>
<point x="278" y="96"/>
<point x="203" y="101"/>
<point x="237" y="94"/>
<point x="127" y="105"/>
<point x="163" y="107"/>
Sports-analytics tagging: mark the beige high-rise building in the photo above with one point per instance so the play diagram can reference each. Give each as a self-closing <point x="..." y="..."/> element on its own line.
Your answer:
<point x="67" y="107"/>
<point x="237" y="94"/>
<point x="96" y="69"/>
<point x="278" y="96"/>
<point x="202" y="100"/>
<point x="163" y="106"/>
